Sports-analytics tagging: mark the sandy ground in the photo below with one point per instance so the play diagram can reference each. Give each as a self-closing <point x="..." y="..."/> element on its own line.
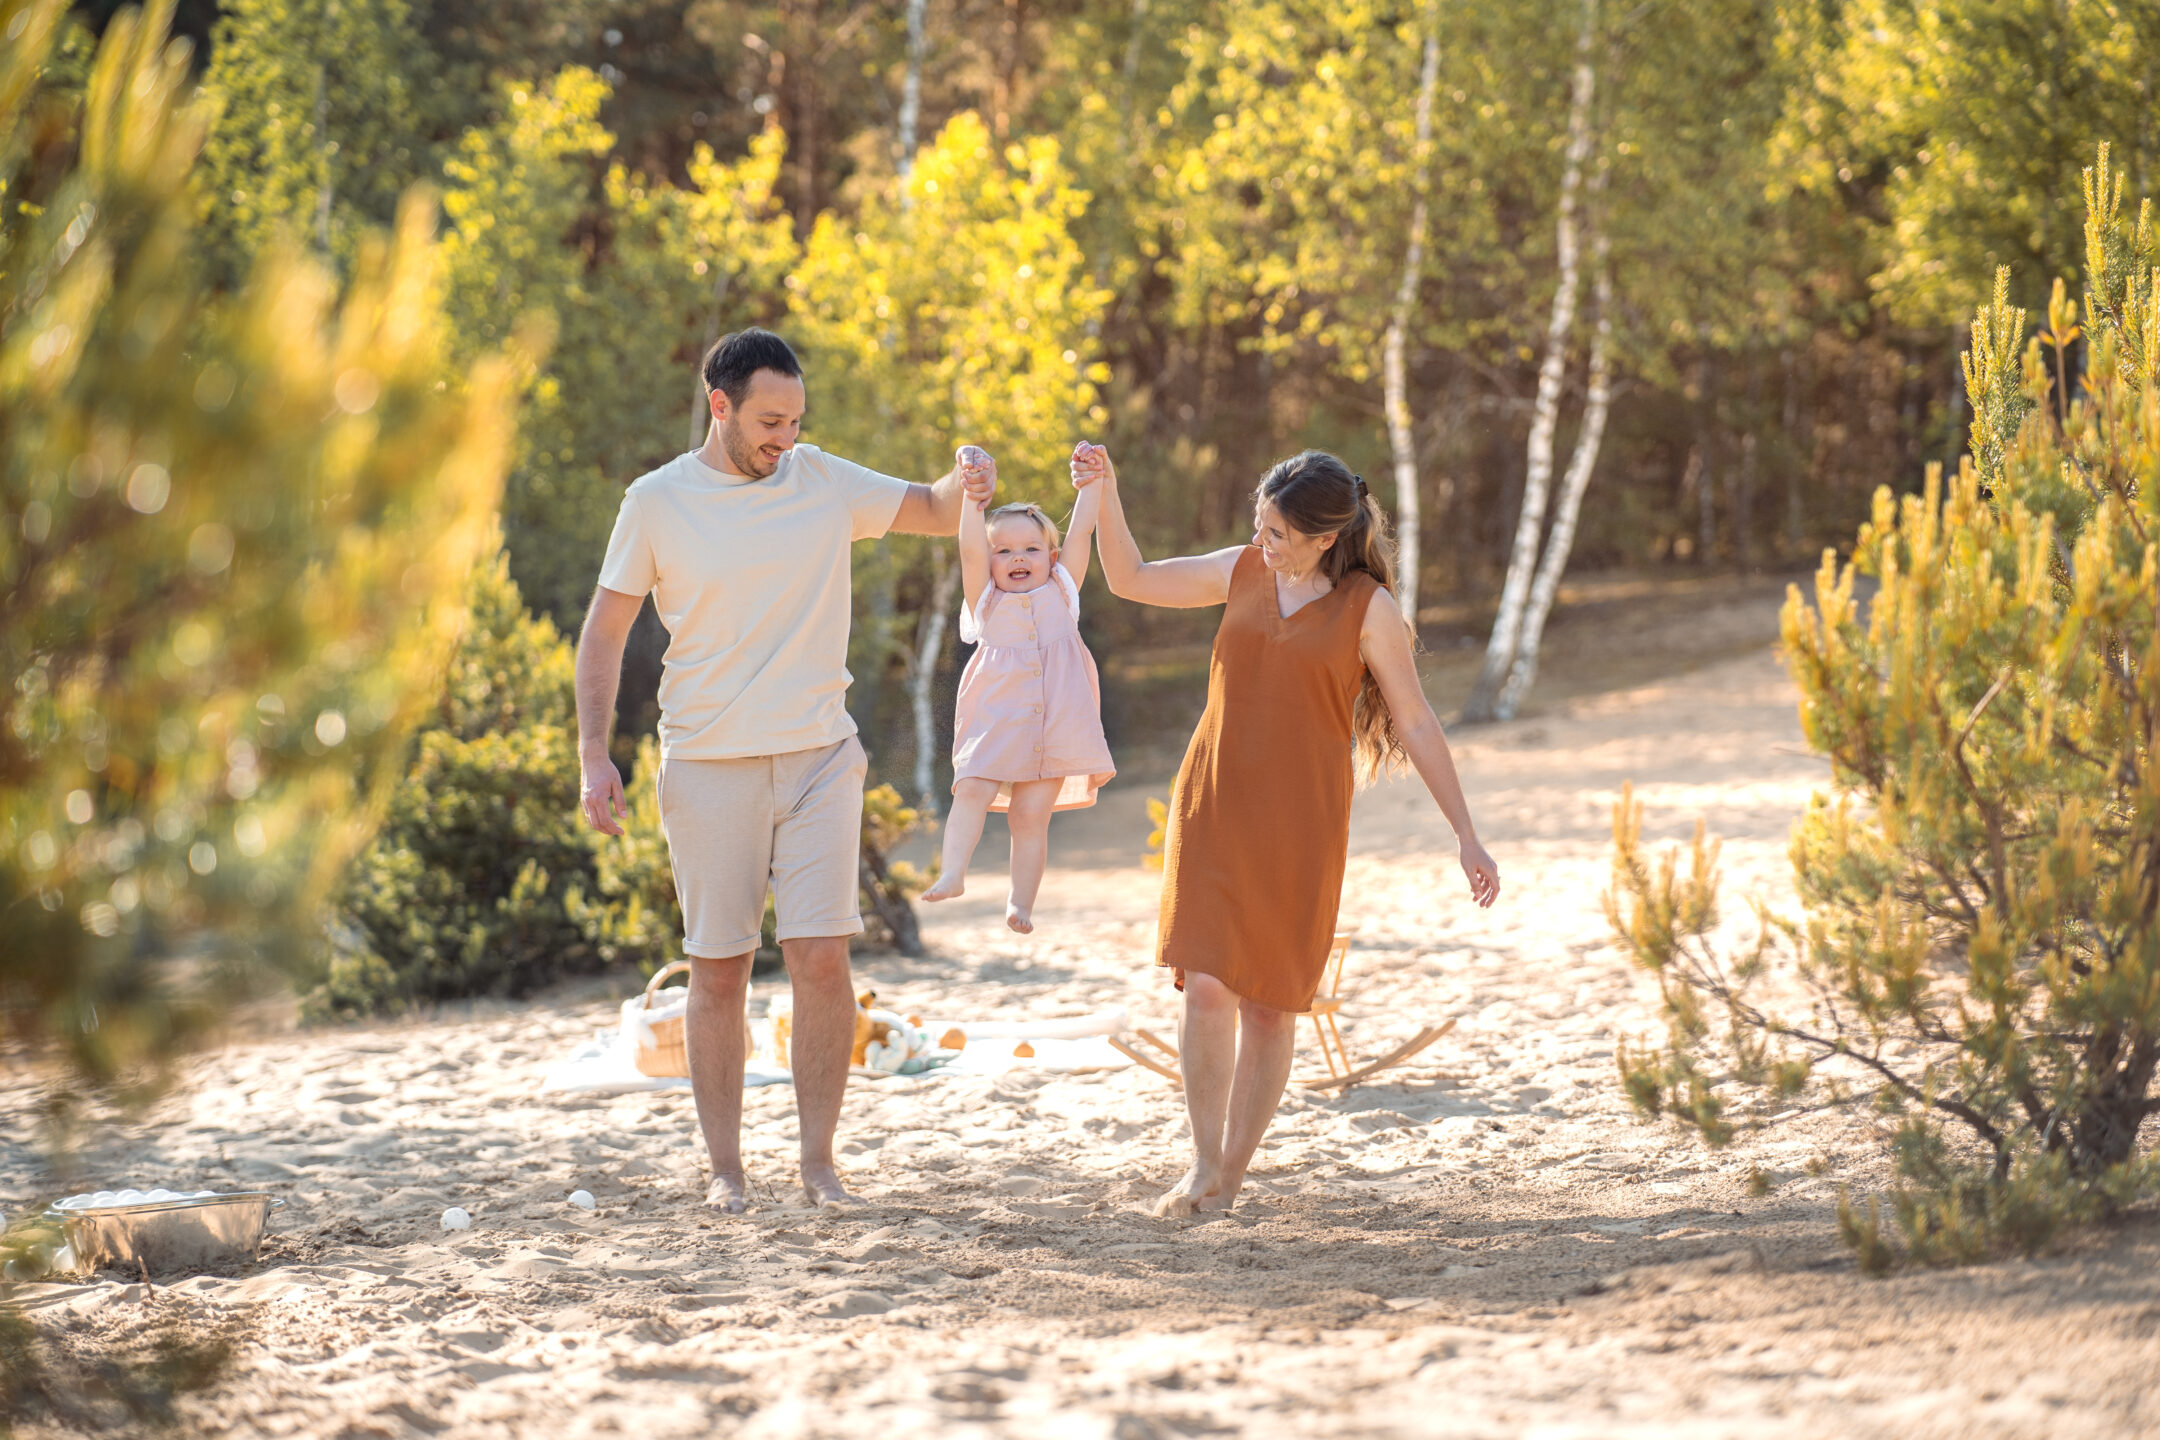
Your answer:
<point x="1484" y="1244"/>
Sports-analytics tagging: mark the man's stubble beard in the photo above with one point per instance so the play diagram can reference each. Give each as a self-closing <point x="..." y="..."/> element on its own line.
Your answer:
<point x="742" y="455"/>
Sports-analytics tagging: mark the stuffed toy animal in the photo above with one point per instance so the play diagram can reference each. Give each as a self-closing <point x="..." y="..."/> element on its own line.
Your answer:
<point x="883" y="1040"/>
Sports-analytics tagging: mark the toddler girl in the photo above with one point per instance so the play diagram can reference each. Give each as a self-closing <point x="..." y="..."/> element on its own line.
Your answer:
<point x="1027" y="730"/>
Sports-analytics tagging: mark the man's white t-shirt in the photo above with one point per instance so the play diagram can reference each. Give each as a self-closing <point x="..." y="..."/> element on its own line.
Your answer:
<point x="751" y="578"/>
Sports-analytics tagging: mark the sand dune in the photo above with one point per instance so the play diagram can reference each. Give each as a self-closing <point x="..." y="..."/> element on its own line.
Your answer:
<point x="1486" y="1244"/>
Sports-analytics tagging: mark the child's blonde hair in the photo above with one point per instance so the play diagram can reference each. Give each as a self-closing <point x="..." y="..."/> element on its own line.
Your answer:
<point x="1017" y="511"/>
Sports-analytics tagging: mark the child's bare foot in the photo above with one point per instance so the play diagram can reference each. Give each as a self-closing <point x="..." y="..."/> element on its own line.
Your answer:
<point x="822" y="1188"/>
<point x="1189" y="1196"/>
<point x="1017" y="919"/>
<point x="948" y="885"/>
<point x="728" y="1194"/>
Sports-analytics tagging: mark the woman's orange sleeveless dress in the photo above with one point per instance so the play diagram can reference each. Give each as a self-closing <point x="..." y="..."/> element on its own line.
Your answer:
<point x="1259" y="823"/>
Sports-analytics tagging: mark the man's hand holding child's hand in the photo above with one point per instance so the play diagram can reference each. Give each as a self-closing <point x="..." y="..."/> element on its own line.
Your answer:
<point x="978" y="474"/>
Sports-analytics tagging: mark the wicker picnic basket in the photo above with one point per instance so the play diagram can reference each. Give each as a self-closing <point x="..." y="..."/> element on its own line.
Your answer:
<point x="660" y="1049"/>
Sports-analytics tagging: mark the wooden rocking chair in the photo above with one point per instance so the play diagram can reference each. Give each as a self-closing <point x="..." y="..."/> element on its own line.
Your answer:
<point x="1325" y="1006"/>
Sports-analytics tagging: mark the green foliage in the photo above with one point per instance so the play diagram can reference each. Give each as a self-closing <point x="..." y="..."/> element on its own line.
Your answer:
<point x="2122" y="270"/>
<point x="636" y="917"/>
<point x="1958" y="127"/>
<point x="530" y="199"/>
<point x="483" y="879"/>
<point x="232" y="533"/>
<point x="958" y="311"/>
<point x="324" y="118"/>
<point x="1293" y="173"/>
<point x="1982" y="948"/>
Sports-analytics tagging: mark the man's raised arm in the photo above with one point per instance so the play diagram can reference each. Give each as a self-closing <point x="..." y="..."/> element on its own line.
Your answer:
<point x="935" y="509"/>
<point x="599" y="671"/>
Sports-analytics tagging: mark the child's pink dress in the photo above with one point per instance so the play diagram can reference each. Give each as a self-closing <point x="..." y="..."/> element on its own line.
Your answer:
<point x="1030" y="705"/>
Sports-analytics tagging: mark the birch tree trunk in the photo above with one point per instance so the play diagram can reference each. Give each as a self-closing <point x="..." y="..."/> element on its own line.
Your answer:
<point x="1562" y="540"/>
<point x="1706" y="451"/>
<point x="1395" y="361"/>
<point x="911" y="91"/>
<point x="1537" y="481"/>
<point x="922" y="673"/>
<point x="700" y="404"/>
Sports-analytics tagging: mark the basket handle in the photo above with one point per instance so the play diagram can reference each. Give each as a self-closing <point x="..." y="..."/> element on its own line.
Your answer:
<point x="664" y="972"/>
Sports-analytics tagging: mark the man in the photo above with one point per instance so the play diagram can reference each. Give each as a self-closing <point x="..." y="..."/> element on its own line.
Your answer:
<point x="744" y="546"/>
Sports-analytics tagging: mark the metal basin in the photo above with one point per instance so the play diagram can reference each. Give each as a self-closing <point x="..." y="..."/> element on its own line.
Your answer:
<point x="167" y="1235"/>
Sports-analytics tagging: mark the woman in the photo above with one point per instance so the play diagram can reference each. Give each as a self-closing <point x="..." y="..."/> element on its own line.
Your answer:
<point x="1311" y="687"/>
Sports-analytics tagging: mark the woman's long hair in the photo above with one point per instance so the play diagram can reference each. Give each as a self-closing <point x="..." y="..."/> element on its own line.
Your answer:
<point x="1316" y="494"/>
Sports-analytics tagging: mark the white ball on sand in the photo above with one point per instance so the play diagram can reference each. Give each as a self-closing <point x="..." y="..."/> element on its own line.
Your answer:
<point x="582" y="1199"/>
<point x="456" y="1219"/>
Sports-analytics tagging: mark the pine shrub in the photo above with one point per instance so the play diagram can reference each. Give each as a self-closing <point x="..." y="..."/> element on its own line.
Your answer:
<point x="1980" y="955"/>
<point x="234" y="529"/>
<point x="483" y="879"/>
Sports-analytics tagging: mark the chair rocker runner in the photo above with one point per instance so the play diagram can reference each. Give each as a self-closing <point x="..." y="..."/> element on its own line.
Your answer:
<point x="1325" y="1007"/>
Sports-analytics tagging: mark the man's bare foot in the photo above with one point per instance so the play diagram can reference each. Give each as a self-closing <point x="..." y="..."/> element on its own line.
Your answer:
<point x="822" y="1188"/>
<point x="948" y="886"/>
<point x="1017" y="920"/>
<point x="1189" y="1196"/>
<point x="728" y="1194"/>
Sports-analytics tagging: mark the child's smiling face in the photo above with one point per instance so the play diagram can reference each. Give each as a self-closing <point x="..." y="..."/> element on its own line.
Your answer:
<point x="1020" y="554"/>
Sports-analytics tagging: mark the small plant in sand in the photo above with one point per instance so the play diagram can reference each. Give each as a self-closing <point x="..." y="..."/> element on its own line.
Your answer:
<point x="1158" y="815"/>
<point x="1980" y="958"/>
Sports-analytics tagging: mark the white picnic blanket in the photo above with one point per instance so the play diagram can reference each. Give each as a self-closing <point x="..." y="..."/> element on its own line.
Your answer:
<point x="607" y="1063"/>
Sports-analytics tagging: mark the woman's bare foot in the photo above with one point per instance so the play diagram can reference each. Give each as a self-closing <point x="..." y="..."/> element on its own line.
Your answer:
<point x="1189" y="1196"/>
<point x="1017" y="920"/>
<point x="1216" y="1201"/>
<point x="728" y="1194"/>
<point x="948" y="885"/>
<point x="822" y="1188"/>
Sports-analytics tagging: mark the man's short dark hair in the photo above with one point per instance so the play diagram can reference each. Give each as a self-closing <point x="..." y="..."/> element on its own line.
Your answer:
<point x="735" y="358"/>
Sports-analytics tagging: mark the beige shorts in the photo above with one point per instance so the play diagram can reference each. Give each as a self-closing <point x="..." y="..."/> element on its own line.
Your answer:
<point x="788" y="823"/>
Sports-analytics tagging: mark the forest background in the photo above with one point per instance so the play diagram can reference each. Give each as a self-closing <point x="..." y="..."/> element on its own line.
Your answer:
<point x="1707" y="264"/>
<point x="1182" y="228"/>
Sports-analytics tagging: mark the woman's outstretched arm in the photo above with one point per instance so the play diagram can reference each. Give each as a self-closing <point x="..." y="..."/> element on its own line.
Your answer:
<point x="1384" y="642"/>
<point x="1184" y="583"/>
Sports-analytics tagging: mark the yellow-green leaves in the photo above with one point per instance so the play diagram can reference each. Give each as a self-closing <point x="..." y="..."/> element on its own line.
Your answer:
<point x="1995" y="380"/>
<point x="959" y="311"/>
<point x="528" y="201"/>
<point x="1965" y="123"/>
<point x="1983" y="926"/>
<point x="232" y="538"/>
<point x="2122" y="274"/>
